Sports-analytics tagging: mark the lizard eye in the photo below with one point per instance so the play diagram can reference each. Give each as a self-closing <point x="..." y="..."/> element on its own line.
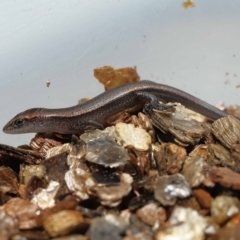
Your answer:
<point x="19" y="122"/>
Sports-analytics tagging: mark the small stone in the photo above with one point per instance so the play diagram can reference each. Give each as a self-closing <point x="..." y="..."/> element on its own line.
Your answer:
<point x="106" y="176"/>
<point x="8" y="226"/>
<point x="169" y="188"/>
<point x="186" y="224"/>
<point x="23" y="210"/>
<point x="200" y="151"/>
<point x="104" y="230"/>
<point x="56" y="167"/>
<point x="234" y="221"/>
<point x="28" y="171"/>
<point x="58" y="149"/>
<point x="220" y="156"/>
<point x="45" y="198"/>
<point x="111" y="77"/>
<point x="78" y="181"/>
<point x="223" y="208"/>
<point x="68" y="203"/>
<point x="15" y="156"/>
<point x="63" y="222"/>
<point x="181" y="214"/>
<point x="225" y="177"/>
<point x="117" y="220"/>
<point x="169" y="158"/>
<point x="8" y="180"/>
<point x="151" y="213"/>
<point x="203" y="197"/>
<point x="42" y="143"/>
<point x="227" y="130"/>
<point x="33" y="184"/>
<point x="184" y="130"/>
<point x="106" y="152"/>
<point x="132" y="137"/>
<point x="112" y="195"/>
<point x="193" y="170"/>
<point x="90" y="135"/>
<point x="190" y="202"/>
<point x="183" y="231"/>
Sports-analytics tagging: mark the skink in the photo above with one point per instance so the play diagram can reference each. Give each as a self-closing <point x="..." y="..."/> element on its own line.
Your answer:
<point x="97" y="111"/>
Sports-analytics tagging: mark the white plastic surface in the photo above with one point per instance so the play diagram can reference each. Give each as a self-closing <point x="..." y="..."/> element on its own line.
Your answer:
<point x="196" y="50"/>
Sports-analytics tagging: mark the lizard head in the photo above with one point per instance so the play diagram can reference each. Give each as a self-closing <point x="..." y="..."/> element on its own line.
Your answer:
<point x="23" y="122"/>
